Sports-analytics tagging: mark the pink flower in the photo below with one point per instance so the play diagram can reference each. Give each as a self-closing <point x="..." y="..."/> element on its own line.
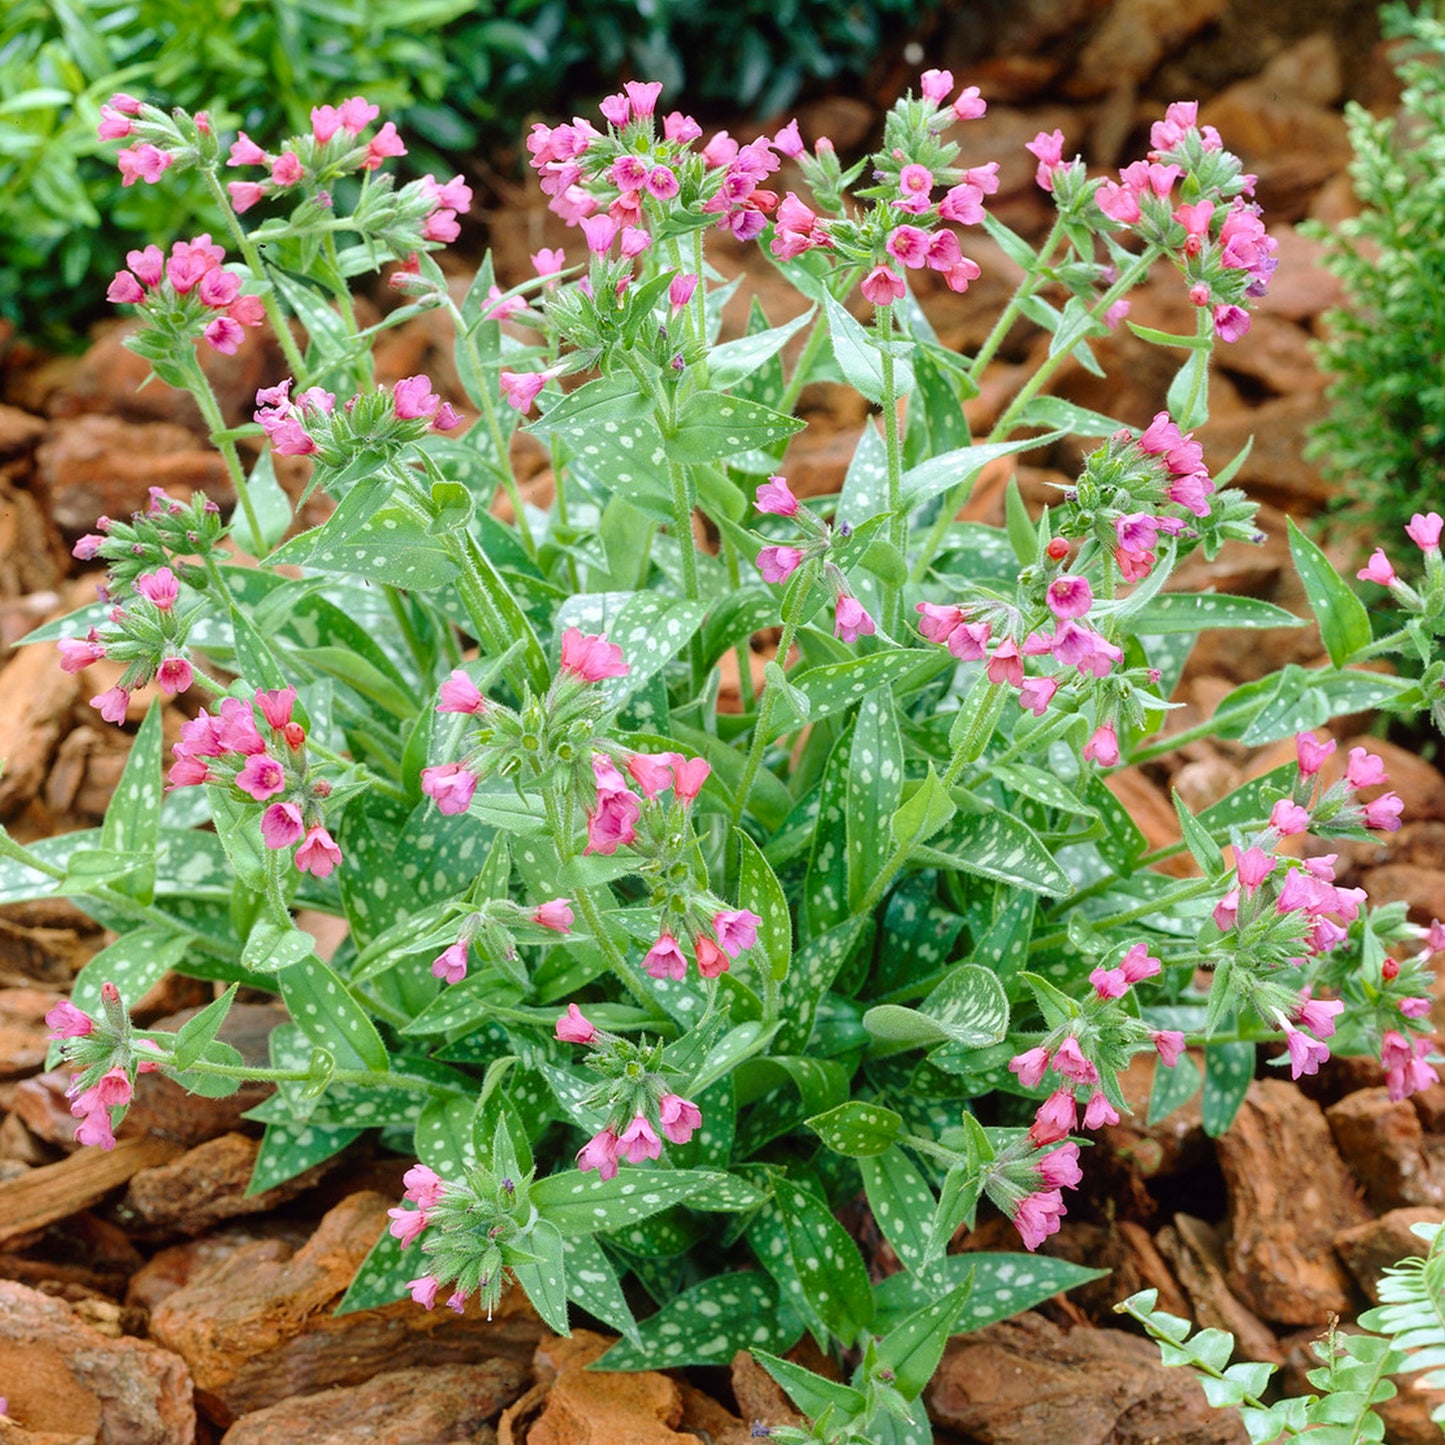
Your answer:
<point x="680" y="128"/>
<point x="600" y="1153"/>
<point x="1305" y="1054"/>
<point x="424" y="1187"/>
<point x="850" y="620"/>
<point x="661" y="183"/>
<point x="1035" y="694"/>
<point x="1057" y="1118"/>
<point x="1169" y="1045"/>
<point x="1030" y="1066"/>
<point x="95" y="1130"/>
<point x="281" y="825"/>
<point x="1117" y="202"/>
<point x="1406" y="1071"/>
<point x="414" y="399"/>
<point x="235" y="729"/>
<point x="909" y="245"/>
<point x="1070" y="1061"/>
<point x="245" y="152"/>
<point x="112" y="704"/>
<point x="688" y="776"/>
<point x="1048" y="146"/>
<point x="1253" y="866"/>
<point x="451" y="785"/>
<point x="424" y="1290"/>
<point x="1070" y="596"/>
<point x="1412" y="1008"/>
<point x="384" y="143"/>
<point x="1226" y="911"/>
<point x="460" y="694"/>
<point x="1059" y="1168"/>
<point x="643" y="96"/>
<point x="68" y="1022"/>
<point x="680" y="1118"/>
<point x="1288" y="818"/>
<point x="159" y="587"/>
<point x="665" y="959"/>
<point x="1230" y="322"/>
<point x="224" y="335"/>
<point x="555" y="914"/>
<point x="1312" y="753"/>
<point x="934" y="85"/>
<point x="521" y="388"/>
<point x="142" y="163"/>
<point x="1137" y="964"/>
<point x="776" y="498"/>
<point x="679" y="292"/>
<point x="711" y="960"/>
<point x="639" y="1141"/>
<point x="962" y="204"/>
<point x="574" y="1028"/>
<point x="883" y="286"/>
<point x="777" y="564"/>
<point x="615" y="108"/>
<point x="1424" y="530"/>
<point x="1378" y="570"/>
<point x="968" y="642"/>
<point x="451" y="964"/>
<point x="592" y="658"/>
<point x="262" y="777"/>
<point x="652" y="772"/>
<point x="1364" y="769"/>
<point x="1114" y="315"/>
<point x="1099" y="1111"/>
<point x="406" y="1225"/>
<point x="600" y="232"/>
<point x="124" y="290"/>
<point x="76" y="655"/>
<point x="1005" y="664"/>
<point x="612" y="823"/>
<point x="969" y="105"/>
<point x="318" y="854"/>
<point x="1109" y="982"/>
<point x="736" y="929"/>
<point x="356" y="114"/>
<point x="1384" y="813"/>
<point x="286" y="169"/>
<point x="1037" y="1216"/>
<point x="1103" y="747"/>
<point x="1318" y="1014"/>
<point x="174" y="675"/>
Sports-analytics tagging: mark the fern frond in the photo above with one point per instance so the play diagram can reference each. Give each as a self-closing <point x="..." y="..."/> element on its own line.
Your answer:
<point x="1411" y="1313"/>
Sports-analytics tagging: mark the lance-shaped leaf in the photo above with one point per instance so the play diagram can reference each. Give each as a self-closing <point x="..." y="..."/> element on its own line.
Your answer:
<point x="545" y="1278"/>
<point x="902" y="1203"/>
<point x="1343" y="618"/>
<point x="914" y="1346"/>
<point x="580" y="1203"/>
<point x="133" y="817"/>
<point x="858" y="1129"/>
<point x="859" y="357"/>
<point x="323" y="1007"/>
<point x="711" y="426"/>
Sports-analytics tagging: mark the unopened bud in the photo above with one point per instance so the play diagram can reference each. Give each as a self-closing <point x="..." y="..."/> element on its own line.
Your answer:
<point x="1389" y="970"/>
<point x="295" y="736"/>
<point x="1057" y="549"/>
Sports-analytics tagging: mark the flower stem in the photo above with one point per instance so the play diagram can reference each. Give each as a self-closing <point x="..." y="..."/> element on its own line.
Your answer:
<point x="205" y="399"/>
<point x="892" y="442"/>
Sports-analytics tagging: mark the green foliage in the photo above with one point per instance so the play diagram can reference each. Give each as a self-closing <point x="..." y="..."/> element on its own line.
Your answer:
<point x="1407" y="1335"/>
<point x="1385" y="434"/>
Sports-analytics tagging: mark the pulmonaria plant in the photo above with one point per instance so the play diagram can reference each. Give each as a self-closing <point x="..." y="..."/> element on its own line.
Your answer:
<point x="626" y="946"/>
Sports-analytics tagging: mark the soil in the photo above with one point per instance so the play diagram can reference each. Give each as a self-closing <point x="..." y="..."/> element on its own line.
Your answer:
<point x="144" y="1298"/>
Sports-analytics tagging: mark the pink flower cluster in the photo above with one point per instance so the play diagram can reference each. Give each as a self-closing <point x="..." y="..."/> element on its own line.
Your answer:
<point x="1424" y="531"/>
<point x="93" y="1106"/>
<point x="229" y="749"/>
<point x="735" y="930"/>
<point x="741" y="203"/>
<point x="1038" y="1214"/>
<point x="612" y="818"/>
<point x="426" y="1189"/>
<point x="303" y="426"/>
<point x="192" y="271"/>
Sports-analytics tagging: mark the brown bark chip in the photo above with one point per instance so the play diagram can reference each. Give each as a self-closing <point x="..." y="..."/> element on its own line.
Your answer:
<point x="1289" y="1196"/>
<point x="259" y="1326"/>
<point x="39" y="696"/>
<point x="440" y="1406"/>
<point x="1384" y="1145"/>
<point x="1026" y="1380"/>
<point x="1369" y="1249"/>
<point x="62" y="1376"/>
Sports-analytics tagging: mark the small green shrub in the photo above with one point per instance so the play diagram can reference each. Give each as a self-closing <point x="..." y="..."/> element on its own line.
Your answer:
<point x="1385" y="436"/>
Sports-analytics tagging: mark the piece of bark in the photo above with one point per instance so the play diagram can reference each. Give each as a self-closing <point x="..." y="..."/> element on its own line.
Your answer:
<point x="63" y="1376"/>
<point x="429" y="1406"/>
<point x="204" y="1186"/>
<point x="259" y="1326"/>
<point x="1025" y="1380"/>
<point x="1369" y="1249"/>
<point x="1194" y="1249"/>
<point x="1289" y="1196"/>
<point x="759" y="1396"/>
<point x="39" y="697"/>
<point x="56" y="1190"/>
<point x="1382" y="1142"/>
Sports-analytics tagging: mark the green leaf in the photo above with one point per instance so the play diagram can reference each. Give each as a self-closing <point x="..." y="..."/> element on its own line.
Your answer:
<point x="825" y="887"/>
<point x="759" y="885"/>
<point x="998" y="846"/>
<point x="197" y="1032"/>
<point x="708" y="1324"/>
<point x="1197" y="838"/>
<point x="914" y="1346"/>
<point x="270" y="504"/>
<point x="970" y="1006"/>
<point x="1190" y="385"/>
<point x="1343" y="618"/>
<point x="902" y="1203"/>
<point x="444" y="1138"/>
<point x="1173" y="1088"/>
<point x="135" y="963"/>
<point x="1003" y="1285"/>
<point x="734" y="361"/>
<point x="391" y="546"/>
<point x="834" y="686"/>
<point x="133" y="816"/>
<point x="382" y="1277"/>
<point x="874" y="786"/>
<point x="1169" y="612"/>
<point x="1191" y="342"/>
<point x="943" y="473"/>
<point x="324" y="1009"/>
<point x="545" y="1281"/>
<point x="858" y="355"/>
<point x="1123" y="843"/>
<point x="815" y="1395"/>
<point x="292" y="1147"/>
<point x="926" y="811"/>
<point x="712" y="426"/>
<point x="1228" y="1072"/>
<point x="583" y="1204"/>
<point x="592" y="1283"/>
<point x="834" y="1278"/>
<point x="857" y="1129"/>
<point x="814" y="968"/>
<point x="865" y="485"/>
